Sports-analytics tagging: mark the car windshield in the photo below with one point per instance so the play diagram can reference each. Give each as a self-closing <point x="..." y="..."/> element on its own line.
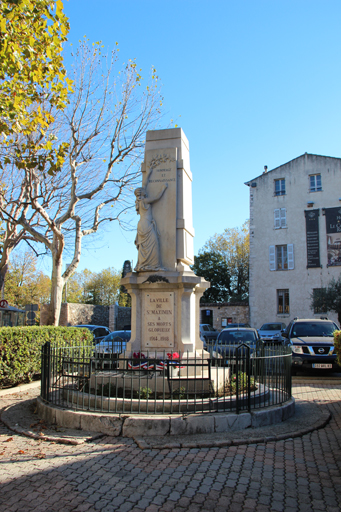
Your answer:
<point x="311" y="329"/>
<point x="236" y="337"/>
<point x="117" y="336"/>
<point x="271" y="327"/>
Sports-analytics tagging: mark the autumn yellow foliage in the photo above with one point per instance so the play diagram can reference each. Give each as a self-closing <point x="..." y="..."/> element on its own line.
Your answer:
<point x="337" y="345"/>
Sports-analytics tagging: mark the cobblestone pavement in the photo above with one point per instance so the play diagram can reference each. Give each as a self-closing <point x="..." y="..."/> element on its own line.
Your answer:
<point x="113" y="474"/>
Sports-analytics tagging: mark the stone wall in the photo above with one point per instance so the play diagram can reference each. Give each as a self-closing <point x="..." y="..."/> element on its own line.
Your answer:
<point x="75" y="314"/>
<point x="114" y="317"/>
<point x="119" y="318"/>
<point x="123" y="318"/>
<point x="237" y="312"/>
<point x="44" y="311"/>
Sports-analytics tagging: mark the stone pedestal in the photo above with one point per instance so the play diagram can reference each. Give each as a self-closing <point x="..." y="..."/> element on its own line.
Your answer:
<point x="165" y="312"/>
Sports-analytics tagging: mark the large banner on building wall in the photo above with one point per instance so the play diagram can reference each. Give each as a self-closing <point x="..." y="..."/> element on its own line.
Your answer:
<point x="333" y="229"/>
<point x="313" y="238"/>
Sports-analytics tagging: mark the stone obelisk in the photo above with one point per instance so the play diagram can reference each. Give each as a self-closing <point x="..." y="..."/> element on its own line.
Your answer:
<point x="165" y="292"/>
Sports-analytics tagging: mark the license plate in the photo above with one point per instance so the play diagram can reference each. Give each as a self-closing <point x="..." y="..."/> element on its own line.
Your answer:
<point x="322" y="366"/>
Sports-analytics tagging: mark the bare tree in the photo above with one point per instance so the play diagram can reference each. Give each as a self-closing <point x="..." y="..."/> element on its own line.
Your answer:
<point x="13" y="200"/>
<point x="103" y="131"/>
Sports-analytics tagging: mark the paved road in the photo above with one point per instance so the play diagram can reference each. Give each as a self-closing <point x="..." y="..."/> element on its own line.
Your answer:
<point x="113" y="474"/>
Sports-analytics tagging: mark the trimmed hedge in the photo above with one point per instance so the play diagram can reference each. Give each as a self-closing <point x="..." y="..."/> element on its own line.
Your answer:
<point x="337" y="345"/>
<point x="20" y="349"/>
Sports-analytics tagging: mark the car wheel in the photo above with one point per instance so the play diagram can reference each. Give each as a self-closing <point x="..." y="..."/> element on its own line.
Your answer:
<point x="293" y="370"/>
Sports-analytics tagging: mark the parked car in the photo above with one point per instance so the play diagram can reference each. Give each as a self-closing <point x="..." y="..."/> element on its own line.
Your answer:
<point x="114" y="343"/>
<point x="231" y="342"/>
<point x="312" y="344"/>
<point x="99" y="331"/>
<point x="236" y="326"/>
<point x="272" y="332"/>
<point x="208" y="333"/>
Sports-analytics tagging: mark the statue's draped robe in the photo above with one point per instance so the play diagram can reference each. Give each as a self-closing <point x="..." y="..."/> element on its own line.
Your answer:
<point x="148" y="244"/>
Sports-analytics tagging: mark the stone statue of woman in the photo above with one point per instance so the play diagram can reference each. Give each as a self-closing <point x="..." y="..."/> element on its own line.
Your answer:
<point x="147" y="237"/>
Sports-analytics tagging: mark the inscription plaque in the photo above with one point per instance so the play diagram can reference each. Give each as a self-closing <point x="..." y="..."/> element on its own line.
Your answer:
<point x="159" y="320"/>
<point x="313" y="242"/>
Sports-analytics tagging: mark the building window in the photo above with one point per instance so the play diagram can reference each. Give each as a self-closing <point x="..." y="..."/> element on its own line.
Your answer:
<point x="315" y="183"/>
<point x="280" y="187"/>
<point x="319" y="300"/>
<point x="281" y="257"/>
<point x="280" y="218"/>
<point x="282" y="302"/>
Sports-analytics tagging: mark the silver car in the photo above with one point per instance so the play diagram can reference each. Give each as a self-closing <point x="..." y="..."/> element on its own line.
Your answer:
<point x="233" y="344"/>
<point x="114" y="343"/>
<point x="208" y="333"/>
<point x="272" y="332"/>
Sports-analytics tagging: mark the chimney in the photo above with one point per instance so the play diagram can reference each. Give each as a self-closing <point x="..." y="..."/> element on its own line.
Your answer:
<point x="265" y="169"/>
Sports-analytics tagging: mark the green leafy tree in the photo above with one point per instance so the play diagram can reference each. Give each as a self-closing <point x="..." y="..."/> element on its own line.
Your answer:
<point x="329" y="298"/>
<point x="124" y="299"/>
<point x="33" y="88"/>
<point x="233" y="245"/>
<point x="103" y="288"/>
<point x="32" y="75"/>
<point x="75" y="288"/>
<point x="24" y="283"/>
<point x="213" y="268"/>
<point x="88" y="287"/>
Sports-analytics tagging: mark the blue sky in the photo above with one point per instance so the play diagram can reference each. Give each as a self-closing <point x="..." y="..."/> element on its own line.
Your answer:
<point x="255" y="83"/>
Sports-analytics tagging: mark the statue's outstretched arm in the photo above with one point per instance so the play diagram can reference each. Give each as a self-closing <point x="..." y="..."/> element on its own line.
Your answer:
<point x="150" y="201"/>
<point x="148" y="175"/>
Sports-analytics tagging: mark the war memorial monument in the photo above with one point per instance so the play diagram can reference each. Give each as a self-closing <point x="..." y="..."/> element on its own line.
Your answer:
<point x="165" y="292"/>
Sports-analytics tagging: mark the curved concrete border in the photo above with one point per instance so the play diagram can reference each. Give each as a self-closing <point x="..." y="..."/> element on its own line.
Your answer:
<point x="163" y="407"/>
<point x="131" y="425"/>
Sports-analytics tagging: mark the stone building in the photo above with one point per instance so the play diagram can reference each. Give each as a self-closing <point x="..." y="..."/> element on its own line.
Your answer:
<point x="219" y="315"/>
<point x="295" y="237"/>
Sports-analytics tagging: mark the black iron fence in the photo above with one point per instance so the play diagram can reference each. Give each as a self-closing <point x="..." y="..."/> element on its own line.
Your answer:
<point x="237" y="380"/>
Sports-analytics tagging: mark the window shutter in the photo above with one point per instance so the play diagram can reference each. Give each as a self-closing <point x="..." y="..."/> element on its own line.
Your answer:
<point x="290" y="248"/>
<point x="277" y="218"/>
<point x="283" y="215"/>
<point x="272" y="257"/>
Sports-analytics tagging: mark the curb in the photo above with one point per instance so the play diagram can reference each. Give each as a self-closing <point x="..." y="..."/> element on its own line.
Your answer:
<point x="20" y="388"/>
<point x="316" y="380"/>
<point x="20" y="418"/>
<point x="154" y="442"/>
<point x="142" y="425"/>
<point x="73" y="437"/>
<point x="143" y="443"/>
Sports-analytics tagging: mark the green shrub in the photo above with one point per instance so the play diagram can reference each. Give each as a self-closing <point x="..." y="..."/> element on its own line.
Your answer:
<point x="145" y="392"/>
<point x="337" y="345"/>
<point x="179" y="393"/>
<point x="20" y="349"/>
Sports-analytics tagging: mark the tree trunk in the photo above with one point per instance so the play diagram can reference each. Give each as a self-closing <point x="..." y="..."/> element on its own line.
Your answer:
<point x="57" y="284"/>
<point x="3" y="272"/>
